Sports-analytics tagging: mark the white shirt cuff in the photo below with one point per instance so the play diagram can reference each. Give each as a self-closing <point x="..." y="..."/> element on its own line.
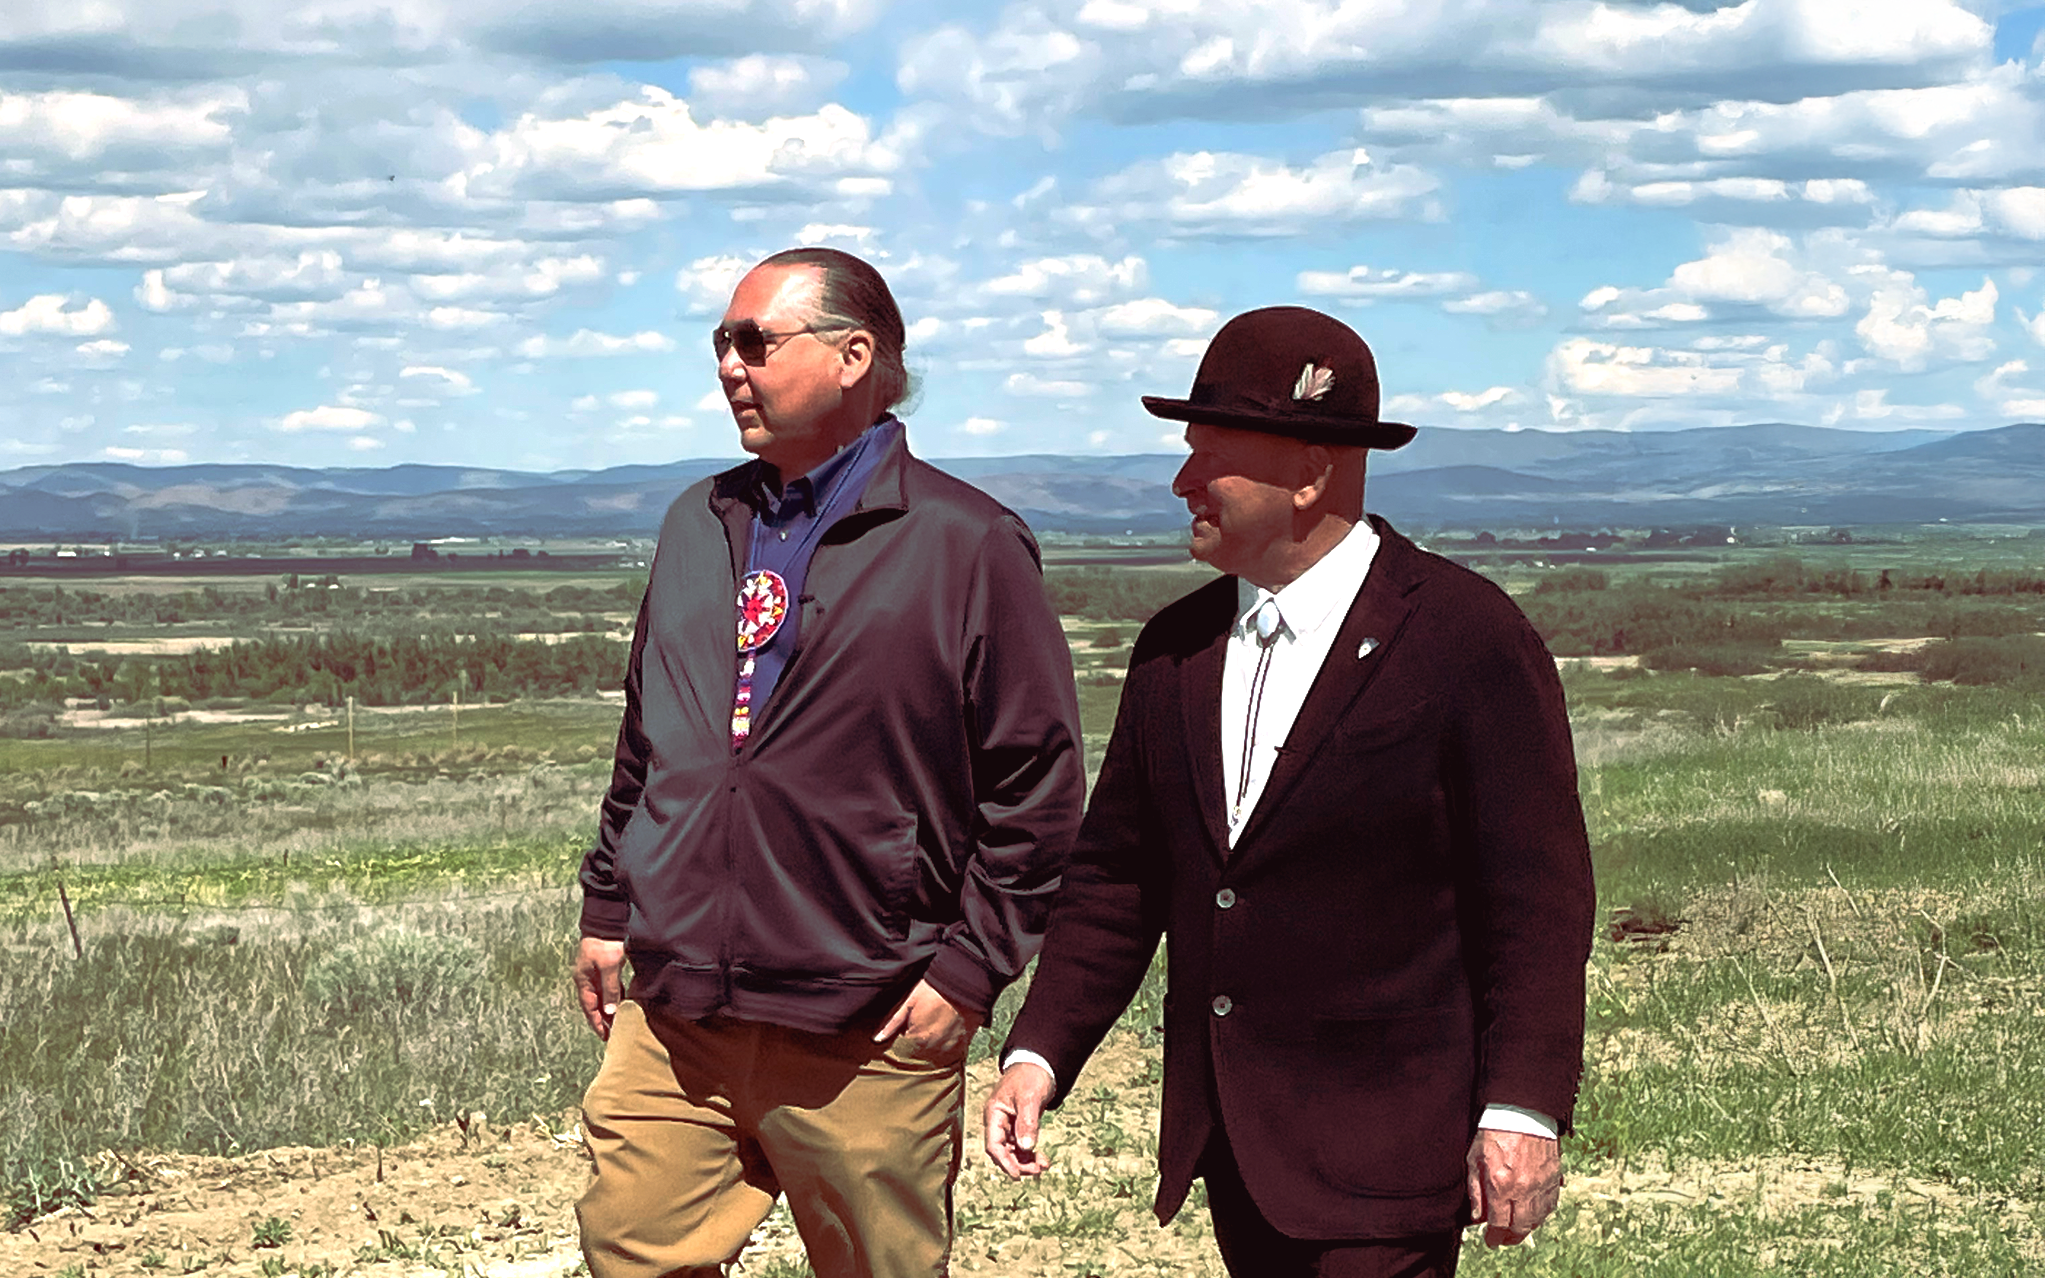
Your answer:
<point x="1024" y="1056"/>
<point x="1508" y="1118"/>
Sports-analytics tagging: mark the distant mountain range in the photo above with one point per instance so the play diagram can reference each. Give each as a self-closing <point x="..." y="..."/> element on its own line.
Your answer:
<point x="1762" y="474"/>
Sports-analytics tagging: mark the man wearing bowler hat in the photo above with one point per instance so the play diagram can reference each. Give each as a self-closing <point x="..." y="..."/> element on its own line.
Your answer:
<point x="1341" y="782"/>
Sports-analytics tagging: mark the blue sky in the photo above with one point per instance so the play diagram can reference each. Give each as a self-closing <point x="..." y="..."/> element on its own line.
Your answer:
<point x="364" y="232"/>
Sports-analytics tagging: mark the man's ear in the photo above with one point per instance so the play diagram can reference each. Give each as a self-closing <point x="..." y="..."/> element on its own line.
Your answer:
<point x="1317" y="473"/>
<point x="855" y="358"/>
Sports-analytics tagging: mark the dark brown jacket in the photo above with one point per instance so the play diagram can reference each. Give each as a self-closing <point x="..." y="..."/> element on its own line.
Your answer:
<point x="906" y="798"/>
<point x="1399" y="933"/>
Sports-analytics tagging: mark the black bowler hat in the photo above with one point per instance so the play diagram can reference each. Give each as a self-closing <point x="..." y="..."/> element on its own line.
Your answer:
<point x="1288" y="370"/>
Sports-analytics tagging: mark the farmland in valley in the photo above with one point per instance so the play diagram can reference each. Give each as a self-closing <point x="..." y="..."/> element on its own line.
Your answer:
<point x="313" y="1016"/>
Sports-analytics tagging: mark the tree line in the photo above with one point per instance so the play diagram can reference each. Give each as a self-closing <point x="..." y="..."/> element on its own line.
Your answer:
<point x="307" y="598"/>
<point x="327" y="668"/>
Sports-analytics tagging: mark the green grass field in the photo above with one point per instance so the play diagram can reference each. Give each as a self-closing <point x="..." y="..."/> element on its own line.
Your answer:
<point x="1817" y="1018"/>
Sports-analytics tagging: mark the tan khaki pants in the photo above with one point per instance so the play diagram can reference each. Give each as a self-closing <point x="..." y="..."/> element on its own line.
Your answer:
<point x="698" y="1125"/>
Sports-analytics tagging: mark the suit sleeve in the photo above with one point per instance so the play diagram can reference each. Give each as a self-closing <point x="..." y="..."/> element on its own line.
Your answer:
<point x="1110" y="913"/>
<point x="1525" y="894"/>
<point x="1028" y="777"/>
<point x="605" y="910"/>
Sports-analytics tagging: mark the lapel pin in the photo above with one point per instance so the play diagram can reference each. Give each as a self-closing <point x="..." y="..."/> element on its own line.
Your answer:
<point x="1365" y="648"/>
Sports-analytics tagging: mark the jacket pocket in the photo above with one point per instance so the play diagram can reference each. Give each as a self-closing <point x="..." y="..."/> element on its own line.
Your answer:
<point x="1374" y="730"/>
<point x="1390" y="1112"/>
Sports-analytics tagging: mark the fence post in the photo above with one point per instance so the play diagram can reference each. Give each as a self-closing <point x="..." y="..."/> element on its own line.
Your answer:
<point x="70" y="921"/>
<point x="351" y="728"/>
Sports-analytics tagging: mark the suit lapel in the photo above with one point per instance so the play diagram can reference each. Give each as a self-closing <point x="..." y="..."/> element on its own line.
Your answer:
<point x="1200" y="698"/>
<point x="1371" y="628"/>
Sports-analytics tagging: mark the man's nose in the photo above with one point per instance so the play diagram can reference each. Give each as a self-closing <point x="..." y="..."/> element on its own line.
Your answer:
<point x="1182" y="483"/>
<point x="730" y="368"/>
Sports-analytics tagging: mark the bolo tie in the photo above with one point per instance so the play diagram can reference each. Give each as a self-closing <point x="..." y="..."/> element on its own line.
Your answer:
<point x="762" y="607"/>
<point x="1268" y="623"/>
<point x="763" y="603"/>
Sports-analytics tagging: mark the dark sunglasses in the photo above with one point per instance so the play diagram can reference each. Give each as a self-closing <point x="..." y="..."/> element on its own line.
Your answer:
<point x="750" y="340"/>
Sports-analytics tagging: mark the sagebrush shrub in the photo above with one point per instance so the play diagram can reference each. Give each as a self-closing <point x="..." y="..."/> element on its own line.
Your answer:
<point x="397" y="970"/>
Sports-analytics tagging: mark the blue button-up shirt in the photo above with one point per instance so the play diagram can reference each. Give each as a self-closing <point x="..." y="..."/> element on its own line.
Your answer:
<point x="787" y="527"/>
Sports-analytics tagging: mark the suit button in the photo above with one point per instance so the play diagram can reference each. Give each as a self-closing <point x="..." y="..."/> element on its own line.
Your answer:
<point x="1223" y="1005"/>
<point x="1226" y="898"/>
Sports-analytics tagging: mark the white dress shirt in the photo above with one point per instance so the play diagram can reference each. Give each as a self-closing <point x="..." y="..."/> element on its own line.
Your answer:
<point x="1311" y="609"/>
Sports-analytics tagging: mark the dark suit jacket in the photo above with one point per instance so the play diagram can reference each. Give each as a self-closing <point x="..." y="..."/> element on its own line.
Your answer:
<point x="1399" y="935"/>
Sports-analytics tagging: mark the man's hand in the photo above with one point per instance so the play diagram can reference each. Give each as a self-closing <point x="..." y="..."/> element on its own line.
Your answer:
<point x="1015" y="1112"/>
<point x="599" y="965"/>
<point x="936" y="1029"/>
<point x="1515" y="1180"/>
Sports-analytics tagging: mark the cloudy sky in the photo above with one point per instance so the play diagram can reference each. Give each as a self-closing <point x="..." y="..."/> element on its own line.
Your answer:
<point x="364" y="232"/>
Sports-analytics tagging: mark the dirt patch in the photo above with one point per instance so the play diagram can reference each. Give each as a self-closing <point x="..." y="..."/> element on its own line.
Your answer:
<point x="1769" y="1187"/>
<point x="1629" y="661"/>
<point x="90" y="718"/>
<point x="497" y="1201"/>
<point x="169" y="646"/>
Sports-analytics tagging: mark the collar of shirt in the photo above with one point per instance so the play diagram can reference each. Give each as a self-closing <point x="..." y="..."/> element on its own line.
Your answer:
<point x="799" y="495"/>
<point x="1319" y="596"/>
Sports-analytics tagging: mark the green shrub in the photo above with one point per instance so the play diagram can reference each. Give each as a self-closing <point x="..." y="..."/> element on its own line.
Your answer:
<point x="1715" y="658"/>
<point x="1805" y="701"/>
<point x="398" y="970"/>
<point x="2008" y="660"/>
<point x="1572" y="580"/>
<point x="42" y="1188"/>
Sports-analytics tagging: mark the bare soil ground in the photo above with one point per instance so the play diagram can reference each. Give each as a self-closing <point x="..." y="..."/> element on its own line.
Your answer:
<point x="497" y="1201"/>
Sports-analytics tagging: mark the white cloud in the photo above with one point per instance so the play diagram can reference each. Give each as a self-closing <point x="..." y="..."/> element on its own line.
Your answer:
<point x="316" y="275"/>
<point x="1587" y="367"/>
<point x="328" y="417"/>
<point x="364" y="443"/>
<point x="586" y="343"/>
<point x="863" y="240"/>
<point x="47" y="314"/>
<point x="1208" y="194"/>
<point x="1463" y="403"/>
<point x="2016" y="213"/>
<point x="1045" y="388"/>
<point x="146" y="456"/>
<point x="1154" y="317"/>
<point x="1513" y="305"/>
<point x="444" y="380"/>
<point x="1905" y="327"/>
<point x="760" y="85"/>
<point x="708" y="282"/>
<point x="1747" y="268"/>
<point x="634" y="399"/>
<point x="1872" y="404"/>
<point x="449" y="319"/>
<point x="543" y="277"/>
<point x="1055" y="342"/>
<point x="168" y="41"/>
<point x="654" y="146"/>
<point x="1380" y="284"/>
<point x="982" y="426"/>
<point x="1042" y="63"/>
<point x="2009" y="399"/>
<point x="112" y="140"/>
<point x="1080" y="279"/>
